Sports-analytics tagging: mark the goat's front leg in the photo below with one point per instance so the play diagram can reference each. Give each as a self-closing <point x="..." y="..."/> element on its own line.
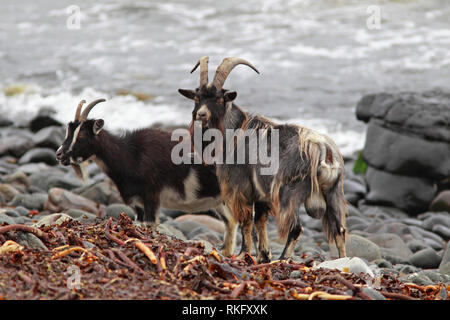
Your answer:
<point x="247" y="226"/>
<point x="261" y="213"/>
<point x="151" y="210"/>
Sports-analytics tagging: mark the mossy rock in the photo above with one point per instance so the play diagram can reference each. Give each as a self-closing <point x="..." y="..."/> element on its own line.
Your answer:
<point x="360" y="166"/>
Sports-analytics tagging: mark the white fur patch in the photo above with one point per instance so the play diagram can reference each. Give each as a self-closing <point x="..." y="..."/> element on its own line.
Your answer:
<point x="171" y="199"/>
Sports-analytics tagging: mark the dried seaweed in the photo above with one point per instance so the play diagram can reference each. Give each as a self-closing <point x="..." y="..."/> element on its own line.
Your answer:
<point x="118" y="260"/>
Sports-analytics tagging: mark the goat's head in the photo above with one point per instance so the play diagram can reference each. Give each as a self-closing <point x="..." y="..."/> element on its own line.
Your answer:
<point x="210" y="99"/>
<point x="80" y="135"/>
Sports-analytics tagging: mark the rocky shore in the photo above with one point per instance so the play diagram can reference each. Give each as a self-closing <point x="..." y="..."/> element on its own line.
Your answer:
<point x="398" y="222"/>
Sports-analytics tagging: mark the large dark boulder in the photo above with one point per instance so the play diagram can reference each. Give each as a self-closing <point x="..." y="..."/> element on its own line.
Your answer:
<point x="405" y="153"/>
<point x="426" y="114"/>
<point x="407" y="147"/>
<point x="410" y="194"/>
<point x="44" y="118"/>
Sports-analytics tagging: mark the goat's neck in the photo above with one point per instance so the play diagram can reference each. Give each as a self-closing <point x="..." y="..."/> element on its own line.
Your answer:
<point x="234" y="117"/>
<point x="109" y="154"/>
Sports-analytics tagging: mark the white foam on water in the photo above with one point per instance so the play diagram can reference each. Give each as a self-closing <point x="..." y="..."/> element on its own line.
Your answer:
<point x="119" y="112"/>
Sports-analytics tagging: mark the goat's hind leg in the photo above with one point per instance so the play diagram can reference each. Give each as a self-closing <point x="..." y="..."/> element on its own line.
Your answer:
<point x="293" y="236"/>
<point x="333" y="221"/>
<point x="288" y="217"/>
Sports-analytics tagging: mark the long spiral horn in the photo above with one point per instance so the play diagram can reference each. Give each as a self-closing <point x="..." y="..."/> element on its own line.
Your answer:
<point x="86" y="110"/>
<point x="224" y="69"/>
<point x="78" y="112"/>
<point x="203" y="63"/>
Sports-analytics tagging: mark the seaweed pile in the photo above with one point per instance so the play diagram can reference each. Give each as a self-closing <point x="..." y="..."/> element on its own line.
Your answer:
<point x="115" y="259"/>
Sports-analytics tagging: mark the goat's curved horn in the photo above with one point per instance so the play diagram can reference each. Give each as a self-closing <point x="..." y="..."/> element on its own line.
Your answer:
<point x="224" y="69"/>
<point x="78" y="112"/>
<point x="89" y="108"/>
<point x="203" y="63"/>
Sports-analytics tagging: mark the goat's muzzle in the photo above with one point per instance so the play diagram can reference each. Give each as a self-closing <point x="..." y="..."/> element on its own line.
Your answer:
<point x="62" y="157"/>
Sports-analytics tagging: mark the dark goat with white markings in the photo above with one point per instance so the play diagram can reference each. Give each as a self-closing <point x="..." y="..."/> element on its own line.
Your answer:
<point x="140" y="165"/>
<point x="310" y="171"/>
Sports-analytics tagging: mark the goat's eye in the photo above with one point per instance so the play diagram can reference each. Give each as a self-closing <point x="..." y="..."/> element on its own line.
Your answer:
<point x="220" y="101"/>
<point x="196" y="100"/>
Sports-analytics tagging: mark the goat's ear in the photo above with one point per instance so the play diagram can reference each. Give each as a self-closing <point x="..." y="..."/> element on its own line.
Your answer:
<point x="190" y="94"/>
<point x="230" y="96"/>
<point x="98" y="126"/>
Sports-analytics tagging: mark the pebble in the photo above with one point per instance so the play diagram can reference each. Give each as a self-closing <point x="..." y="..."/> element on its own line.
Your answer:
<point x="35" y="201"/>
<point x="114" y="210"/>
<point x="357" y="246"/>
<point x="444" y="266"/>
<point x="425" y="259"/>
<point x="209" y="222"/>
<point x="52" y="219"/>
<point x="391" y="244"/>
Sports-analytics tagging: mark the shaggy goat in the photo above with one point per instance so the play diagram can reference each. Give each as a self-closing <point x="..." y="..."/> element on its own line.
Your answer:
<point x="140" y="165"/>
<point x="310" y="168"/>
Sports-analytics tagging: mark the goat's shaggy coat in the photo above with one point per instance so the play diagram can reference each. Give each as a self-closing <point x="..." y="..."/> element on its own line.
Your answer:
<point x="310" y="171"/>
<point x="140" y="164"/>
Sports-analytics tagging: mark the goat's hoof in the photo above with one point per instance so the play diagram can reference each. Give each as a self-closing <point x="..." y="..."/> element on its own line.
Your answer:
<point x="264" y="257"/>
<point x="225" y="252"/>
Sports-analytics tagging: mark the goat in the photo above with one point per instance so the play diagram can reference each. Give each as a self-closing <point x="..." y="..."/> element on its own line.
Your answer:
<point x="310" y="172"/>
<point x="139" y="163"/>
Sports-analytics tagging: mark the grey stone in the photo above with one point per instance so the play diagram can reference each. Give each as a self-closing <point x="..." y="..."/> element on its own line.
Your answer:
<point x="54" y="179"/>
<point x="49" y="137"/>
<point x="18" y="178"/>
<point x="425" y="259"/>
<point x="22" y="210"/>
<point x="35" y="201"/>
<point x="444" y="266"/>
<point x="406" y="269"/>
<point x="382" y="263"/>
<point x="31" y="241"/>
<point x="441" y="219"/>
<point x="12" y="213"/>
<point x="114" y="210"/>
<point x="442" y="231"/>
<point x="374" y="294"/>
<point x="414" y="156"/>
<point x="441" y="202"/>
<point x="81" y="215"/>
<point x="44" y="118"/>
<point x="421" y="113"/>
<point x="8" y="192"/>
<point x="186" y="226"/>
<point x="416" y="245"/>
<point x="52" y="219"/>
<point x="15" y="145"/>
<point x="45" y="155"/>
<point x="357" y="246"/>
<point x="434" y="275"/>
<point x="420" y="280"/>
<point x="60" y="200"/>
<point x="353" y="221"/>
<point x="169" y="230"/>
<point x="391" y="244"/>
<point x="5" y="218"/>
<point x="296" y="274"/>
<point x="433" y="244"/>
<point x="410" y="194"/>
<point x="103" y="191"/>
